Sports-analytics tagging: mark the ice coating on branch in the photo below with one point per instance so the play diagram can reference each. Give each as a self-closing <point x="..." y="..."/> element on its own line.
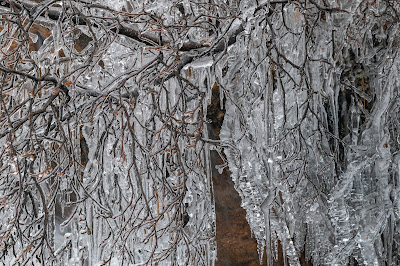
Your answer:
<point x="129" y="182"/>
<point x="310" y="133"/>
<point x="103" y="144"/>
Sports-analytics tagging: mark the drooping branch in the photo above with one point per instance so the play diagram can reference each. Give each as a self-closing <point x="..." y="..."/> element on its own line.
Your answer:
<point x="51" y="11"/>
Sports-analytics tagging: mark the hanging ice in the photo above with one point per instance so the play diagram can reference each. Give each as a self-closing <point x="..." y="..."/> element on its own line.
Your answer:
<point x="313" y="153"/>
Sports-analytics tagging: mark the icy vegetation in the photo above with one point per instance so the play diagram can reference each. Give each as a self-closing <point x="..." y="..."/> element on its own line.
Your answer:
<point x="102" y="154"/>
<point x="311" y="130"/>
<point x="103" y="131"/>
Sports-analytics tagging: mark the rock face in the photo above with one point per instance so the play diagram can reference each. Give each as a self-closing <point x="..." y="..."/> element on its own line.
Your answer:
<point x="235" y="246"/>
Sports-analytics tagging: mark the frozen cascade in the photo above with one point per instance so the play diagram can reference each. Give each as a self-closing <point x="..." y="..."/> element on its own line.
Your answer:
<point x="103" y="129"/>
<point x="308" y="150"/>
